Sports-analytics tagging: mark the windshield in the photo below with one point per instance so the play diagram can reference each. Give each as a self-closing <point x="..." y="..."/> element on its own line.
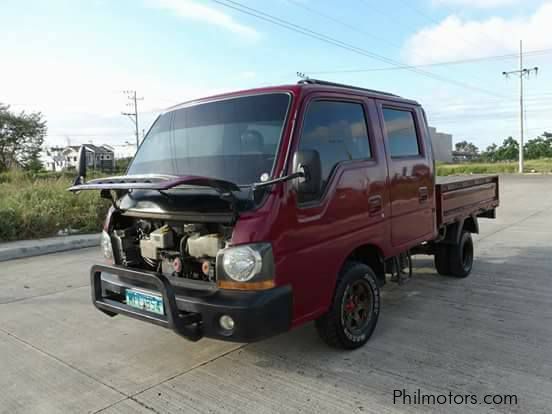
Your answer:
<point x="234" y="139"/>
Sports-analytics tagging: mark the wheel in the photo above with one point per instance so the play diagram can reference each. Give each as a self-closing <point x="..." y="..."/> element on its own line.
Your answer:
<point x="461" y="256"/>
<point x="442" y="263"/>
<point x="353" y="316"/>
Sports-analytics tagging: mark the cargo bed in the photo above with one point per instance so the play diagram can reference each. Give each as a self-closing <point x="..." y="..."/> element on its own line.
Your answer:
<point x="459" y="197"/>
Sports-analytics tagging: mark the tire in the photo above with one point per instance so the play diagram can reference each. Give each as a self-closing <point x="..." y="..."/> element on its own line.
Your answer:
<point x="355" y="308"/>
<point x="461" y="256"/>
<point x="442" y="263"/>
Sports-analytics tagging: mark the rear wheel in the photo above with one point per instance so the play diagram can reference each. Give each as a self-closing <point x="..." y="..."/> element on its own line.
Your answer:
<point x="442" y="259"/>
<point x="461" y="256"/>
<point x="455" y="259"/>
<point x="354" y="313"/>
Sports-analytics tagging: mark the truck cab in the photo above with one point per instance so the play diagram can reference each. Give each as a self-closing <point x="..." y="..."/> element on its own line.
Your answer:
<point x="247" y="214"/>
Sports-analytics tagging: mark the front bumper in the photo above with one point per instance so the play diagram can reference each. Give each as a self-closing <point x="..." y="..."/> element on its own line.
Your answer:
<point x="191" y="312"/>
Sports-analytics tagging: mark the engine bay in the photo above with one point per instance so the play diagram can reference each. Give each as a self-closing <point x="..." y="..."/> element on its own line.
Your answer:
<point x="177" y="250"/>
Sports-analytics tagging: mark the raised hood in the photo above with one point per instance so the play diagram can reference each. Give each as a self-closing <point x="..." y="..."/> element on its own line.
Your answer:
<point x="153" y="182"/>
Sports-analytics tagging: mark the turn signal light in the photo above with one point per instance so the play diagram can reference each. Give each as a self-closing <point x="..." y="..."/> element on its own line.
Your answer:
<point x="231" y="285"/>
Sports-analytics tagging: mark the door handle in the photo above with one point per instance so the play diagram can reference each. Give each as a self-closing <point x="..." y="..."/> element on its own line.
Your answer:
<point x="423" y="194"/>
<point x="375" y="205"/>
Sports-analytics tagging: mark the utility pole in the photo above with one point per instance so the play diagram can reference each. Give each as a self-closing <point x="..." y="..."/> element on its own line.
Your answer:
<point x="131" y="95"/>
<point x="521" y="72"/>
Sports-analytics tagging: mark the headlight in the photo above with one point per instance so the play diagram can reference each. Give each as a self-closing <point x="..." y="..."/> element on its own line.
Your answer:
<point x="242" y="263"/>
<point x="105" y="246"/>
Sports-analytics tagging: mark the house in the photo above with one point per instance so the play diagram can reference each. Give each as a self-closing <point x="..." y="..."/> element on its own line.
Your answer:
<point x="52" y="158"/>
<point x="97" y="157"/>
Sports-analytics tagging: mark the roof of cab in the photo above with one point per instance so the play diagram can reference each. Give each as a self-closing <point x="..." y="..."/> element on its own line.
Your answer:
<point x="310" y="85"/>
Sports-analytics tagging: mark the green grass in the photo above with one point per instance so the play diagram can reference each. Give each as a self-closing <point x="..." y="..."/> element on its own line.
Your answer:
<point x="39" y="205"/>
<point x="543" y="165"/>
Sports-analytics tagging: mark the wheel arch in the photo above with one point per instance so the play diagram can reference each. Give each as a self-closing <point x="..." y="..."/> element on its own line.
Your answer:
<point x="371" y="255"/>
<point x="471" y="224"/>
<point x="454" y="230"/>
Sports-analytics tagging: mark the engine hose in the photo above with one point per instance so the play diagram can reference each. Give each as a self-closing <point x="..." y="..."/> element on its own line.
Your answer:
<point x="183" y="241"/>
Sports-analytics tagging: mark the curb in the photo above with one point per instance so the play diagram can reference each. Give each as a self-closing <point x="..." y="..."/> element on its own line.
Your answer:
<point x="30" y="248"/>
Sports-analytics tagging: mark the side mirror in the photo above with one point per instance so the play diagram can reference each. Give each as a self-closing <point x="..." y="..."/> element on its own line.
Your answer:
<point x="81" y="167"/>
<point x="308" y="162"/>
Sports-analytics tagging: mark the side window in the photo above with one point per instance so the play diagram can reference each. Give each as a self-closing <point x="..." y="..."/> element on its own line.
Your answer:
<point x="401" y="133"/>
<point x="337" y="130"/>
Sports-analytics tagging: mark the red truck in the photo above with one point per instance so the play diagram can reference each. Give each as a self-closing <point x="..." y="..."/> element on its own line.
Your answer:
<point x="247" y="214"/>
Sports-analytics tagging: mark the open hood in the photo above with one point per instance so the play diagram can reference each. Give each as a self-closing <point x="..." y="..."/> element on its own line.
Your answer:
<point x="153" y="182"/>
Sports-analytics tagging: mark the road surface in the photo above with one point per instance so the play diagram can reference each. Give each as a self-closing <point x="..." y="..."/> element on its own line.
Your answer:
<point x="489" y="334"/>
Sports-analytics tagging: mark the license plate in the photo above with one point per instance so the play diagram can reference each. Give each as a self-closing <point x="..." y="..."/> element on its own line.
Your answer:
<point x="145" y="301"/>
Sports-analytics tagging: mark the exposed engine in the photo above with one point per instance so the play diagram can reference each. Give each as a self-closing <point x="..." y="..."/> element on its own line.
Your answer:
<point x="174" y="249"/>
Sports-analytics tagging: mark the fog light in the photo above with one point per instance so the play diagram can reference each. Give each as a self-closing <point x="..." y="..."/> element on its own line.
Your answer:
<point x="226" y="322"/>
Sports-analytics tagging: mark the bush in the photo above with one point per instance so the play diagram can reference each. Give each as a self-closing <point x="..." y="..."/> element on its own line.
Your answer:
<point x="543" y="165"/>
<point x="39" y="205"/>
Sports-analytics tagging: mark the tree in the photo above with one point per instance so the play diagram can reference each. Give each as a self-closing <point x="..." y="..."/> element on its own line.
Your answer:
<point x="21" y="138"/>
<point x="508" y="151"/>
<point x="122" y="164"/>
<point x="490" y="153"/>
<point x="467" y="148"/>
<point x="539" y="147"/>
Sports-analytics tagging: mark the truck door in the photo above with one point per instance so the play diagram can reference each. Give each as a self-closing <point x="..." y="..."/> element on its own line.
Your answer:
<point x="351" y="206"/>
<point x="410" y="167"/>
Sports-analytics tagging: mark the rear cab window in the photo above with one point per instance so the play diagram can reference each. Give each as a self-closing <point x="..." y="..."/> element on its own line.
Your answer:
<point x="402" y="137"/>
<point x="338" y="131"/>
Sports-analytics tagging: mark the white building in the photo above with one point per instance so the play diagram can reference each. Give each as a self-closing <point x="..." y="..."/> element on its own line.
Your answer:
<point x="126" y="150"/>
<point x="52" y="158"/>
<point x="97" y="157"/>
<point x="442" y="145"/>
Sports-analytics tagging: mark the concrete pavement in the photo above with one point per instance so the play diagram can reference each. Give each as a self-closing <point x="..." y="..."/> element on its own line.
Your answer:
<point x="488" y="334"/>
<point x="29" y="248"/>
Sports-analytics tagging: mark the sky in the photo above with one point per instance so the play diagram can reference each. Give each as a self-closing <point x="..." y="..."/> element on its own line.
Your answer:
<point x="72" y="60"/>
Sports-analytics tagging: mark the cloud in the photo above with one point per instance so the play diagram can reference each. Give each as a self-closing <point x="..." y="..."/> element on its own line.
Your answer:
<point x="199" y="12"/>
<point x="84" y="102"/>
<point x="455" y="38"/>
<point x="480" y="4"/>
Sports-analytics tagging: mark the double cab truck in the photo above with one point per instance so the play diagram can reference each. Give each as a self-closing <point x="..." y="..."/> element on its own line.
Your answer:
<point x="247" y="214"/>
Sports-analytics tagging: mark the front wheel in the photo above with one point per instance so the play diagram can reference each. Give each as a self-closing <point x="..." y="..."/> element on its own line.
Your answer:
<point x="354" y="313"/>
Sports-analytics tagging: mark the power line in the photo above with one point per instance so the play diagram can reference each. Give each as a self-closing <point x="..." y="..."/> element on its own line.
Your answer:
<point x="380" y="39"/>
<point x="89" y="135"/>
<point x="483" y="116"/>
<point x="355" y="28"/>
<point x="414" y="29"/>
<point x="446" y="63"/>
<point x="432" y="20"/>
<point x="303" y="6"/>
<point x="471" y="110"/>
<point x="488" y="116"/>
<point x="338" y="43"/>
